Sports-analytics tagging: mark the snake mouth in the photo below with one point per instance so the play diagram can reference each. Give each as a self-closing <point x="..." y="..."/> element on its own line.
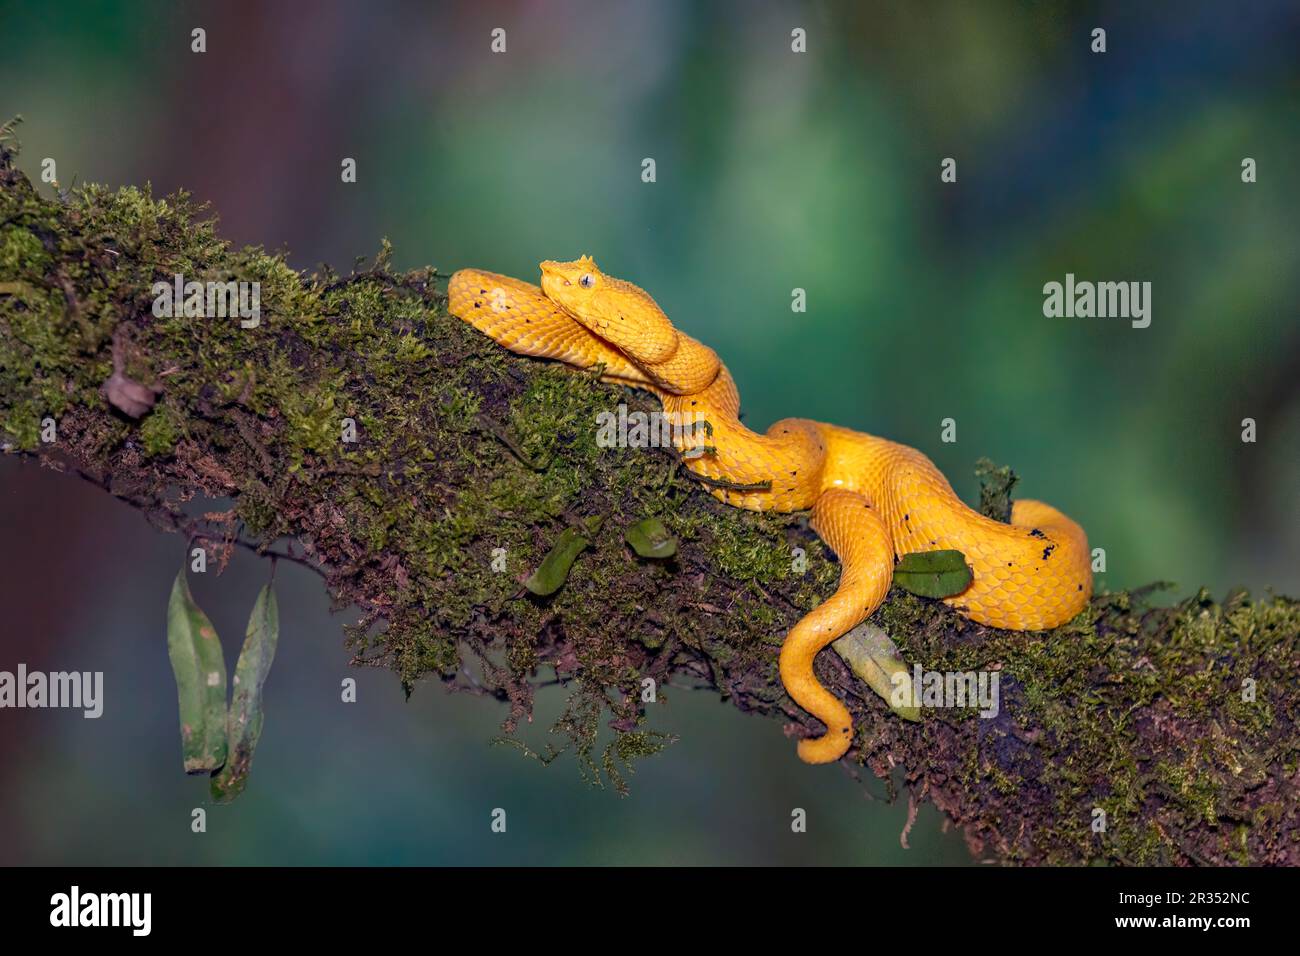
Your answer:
<point x="593" y="325"/>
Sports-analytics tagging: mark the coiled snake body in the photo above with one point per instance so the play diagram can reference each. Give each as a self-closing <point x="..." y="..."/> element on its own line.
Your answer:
<point x="872" y="500"/>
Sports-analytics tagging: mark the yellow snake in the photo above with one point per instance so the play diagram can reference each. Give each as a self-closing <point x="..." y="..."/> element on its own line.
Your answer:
<point x="872" y="500"/>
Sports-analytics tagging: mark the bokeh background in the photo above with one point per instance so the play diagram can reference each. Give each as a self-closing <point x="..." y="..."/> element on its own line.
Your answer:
<point x="775" y="170"/>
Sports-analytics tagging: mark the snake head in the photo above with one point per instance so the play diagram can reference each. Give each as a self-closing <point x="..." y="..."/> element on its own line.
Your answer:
<point x="619" y="312"/>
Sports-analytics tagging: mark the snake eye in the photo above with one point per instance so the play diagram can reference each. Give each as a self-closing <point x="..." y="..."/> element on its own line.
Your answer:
<point x="587" y="281"/>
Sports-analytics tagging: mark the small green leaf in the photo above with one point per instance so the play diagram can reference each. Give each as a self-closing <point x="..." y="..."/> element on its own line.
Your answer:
<point x="650" y="539"/>
<point x="873" y="657"/>
<point x="554" y="569"/>
<point x="933" y="574"/>
<point x="200" y="671"/>
<point x="244" y="723"/>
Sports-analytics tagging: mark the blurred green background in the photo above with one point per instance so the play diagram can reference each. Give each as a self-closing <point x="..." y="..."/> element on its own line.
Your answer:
<point x="775" y="170"/>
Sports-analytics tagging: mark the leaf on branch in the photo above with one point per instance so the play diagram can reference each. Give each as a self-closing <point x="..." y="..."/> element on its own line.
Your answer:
<point x="933" y="574"/>
<point x="554" y="569"/>
<point x="650" y="539"/>
<point x="873" y="657"/>
<point x="244" y="722"/>
<point x="200" y="671"/>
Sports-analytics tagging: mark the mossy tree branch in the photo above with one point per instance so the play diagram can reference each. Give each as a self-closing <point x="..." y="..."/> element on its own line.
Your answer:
<point x="463" y="449"/>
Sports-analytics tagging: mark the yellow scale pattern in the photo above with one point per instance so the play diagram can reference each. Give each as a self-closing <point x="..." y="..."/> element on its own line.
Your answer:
<point x="872" y="500"/>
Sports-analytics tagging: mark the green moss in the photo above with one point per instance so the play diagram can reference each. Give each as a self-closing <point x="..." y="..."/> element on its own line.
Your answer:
<point x="258" y="510"/>
<point x="315" y="422"/>
<point x="21" y="422"/>
<point x="424" y="650"/>
<point x="996" y="483"/>
<point x="161" y="429"/>
<point x="22" y="252"/>
<point x="622" y="753"/>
